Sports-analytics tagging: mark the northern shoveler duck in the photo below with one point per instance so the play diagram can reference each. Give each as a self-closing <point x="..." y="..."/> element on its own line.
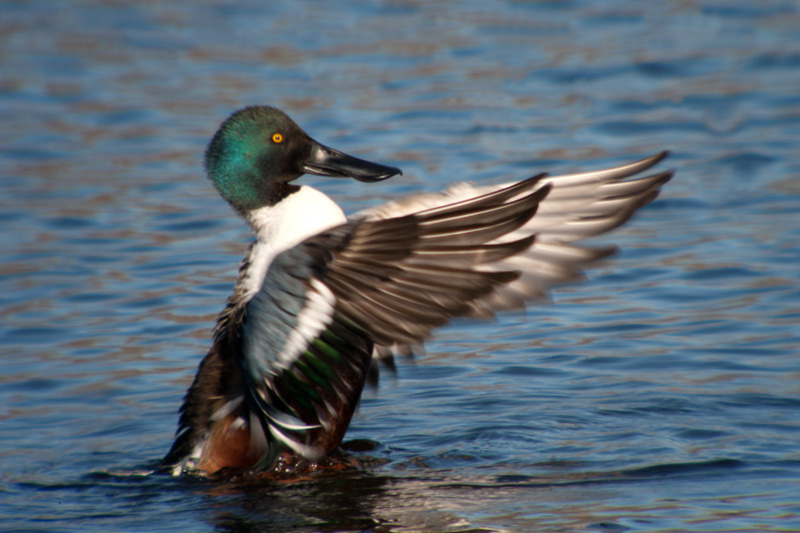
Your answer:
<point x="321" y="297"/>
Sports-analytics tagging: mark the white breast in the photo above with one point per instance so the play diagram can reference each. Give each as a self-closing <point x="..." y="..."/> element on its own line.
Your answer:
<point x="297" y="217"/>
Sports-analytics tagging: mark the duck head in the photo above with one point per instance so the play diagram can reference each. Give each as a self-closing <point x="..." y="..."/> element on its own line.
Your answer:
<point x="259" y="150"/>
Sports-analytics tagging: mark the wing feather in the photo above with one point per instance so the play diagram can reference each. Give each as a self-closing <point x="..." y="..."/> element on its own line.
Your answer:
<point x="569" y="208"/>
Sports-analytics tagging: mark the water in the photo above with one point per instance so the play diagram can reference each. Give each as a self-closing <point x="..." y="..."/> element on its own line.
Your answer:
<point x="661" y="396"/>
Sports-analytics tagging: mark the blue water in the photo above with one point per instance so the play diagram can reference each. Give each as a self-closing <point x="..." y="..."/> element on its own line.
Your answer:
<point x="660" y="396"/>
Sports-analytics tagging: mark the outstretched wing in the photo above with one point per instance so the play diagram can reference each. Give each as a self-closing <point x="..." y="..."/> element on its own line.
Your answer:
<point x="577" y="207"/>
<point x="388" y="278"/>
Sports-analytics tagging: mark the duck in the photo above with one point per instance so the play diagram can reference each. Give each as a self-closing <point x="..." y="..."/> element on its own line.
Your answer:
<point x="322" y="299"/>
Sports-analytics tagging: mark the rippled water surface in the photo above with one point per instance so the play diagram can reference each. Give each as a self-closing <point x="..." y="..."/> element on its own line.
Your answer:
<point x="660" y="396"/>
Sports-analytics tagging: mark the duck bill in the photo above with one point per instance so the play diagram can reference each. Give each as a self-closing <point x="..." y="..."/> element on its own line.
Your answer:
<point x="324" y="161"/>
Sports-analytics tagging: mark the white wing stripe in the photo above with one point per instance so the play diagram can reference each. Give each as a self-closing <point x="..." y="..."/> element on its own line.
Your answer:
<point x="313" y="319"/>
<point x="309" y="452"/>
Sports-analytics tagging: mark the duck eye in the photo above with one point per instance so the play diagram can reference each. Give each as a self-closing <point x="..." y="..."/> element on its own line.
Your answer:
<point x="277" y="138"/>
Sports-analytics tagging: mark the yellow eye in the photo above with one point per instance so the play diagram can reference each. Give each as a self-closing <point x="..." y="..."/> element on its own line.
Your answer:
<point x="277" y="138"/>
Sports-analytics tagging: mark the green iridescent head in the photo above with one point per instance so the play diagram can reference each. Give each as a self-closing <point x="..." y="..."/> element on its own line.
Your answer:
<point x="259" y="149"/>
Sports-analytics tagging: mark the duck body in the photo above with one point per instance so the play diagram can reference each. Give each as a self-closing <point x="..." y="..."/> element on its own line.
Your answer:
<point x="321" y="298"/>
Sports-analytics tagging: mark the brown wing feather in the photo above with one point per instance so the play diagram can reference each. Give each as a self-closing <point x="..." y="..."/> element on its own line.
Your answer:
<point x="400" y="278"/>
<point x="413" y="265"/>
